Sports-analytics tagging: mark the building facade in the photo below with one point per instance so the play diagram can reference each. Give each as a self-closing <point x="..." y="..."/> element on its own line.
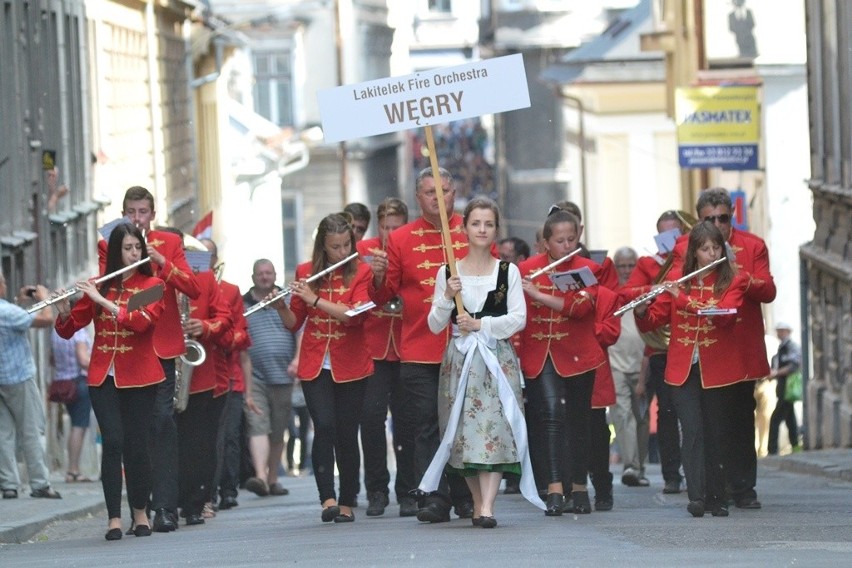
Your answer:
<point x="827" y="259"/>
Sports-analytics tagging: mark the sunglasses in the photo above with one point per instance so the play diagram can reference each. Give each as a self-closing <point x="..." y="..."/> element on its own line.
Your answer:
<point x="724" y="218"/>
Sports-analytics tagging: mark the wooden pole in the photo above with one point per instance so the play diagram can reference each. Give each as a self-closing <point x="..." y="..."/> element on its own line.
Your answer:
<point x="442" y="207"/>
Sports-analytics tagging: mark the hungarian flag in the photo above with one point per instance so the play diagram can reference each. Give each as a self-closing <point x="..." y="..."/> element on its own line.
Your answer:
<point x="204" y="228"/>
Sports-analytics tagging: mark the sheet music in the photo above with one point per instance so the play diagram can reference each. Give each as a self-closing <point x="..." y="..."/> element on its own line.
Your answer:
<point x="574" y="279"/>
<point x="360" y="309"/>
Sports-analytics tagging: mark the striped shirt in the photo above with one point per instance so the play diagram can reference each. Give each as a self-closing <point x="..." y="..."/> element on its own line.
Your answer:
<point x="65" y="355"/>
<point x="272" y="345"/>
<point x="16" y="356"/>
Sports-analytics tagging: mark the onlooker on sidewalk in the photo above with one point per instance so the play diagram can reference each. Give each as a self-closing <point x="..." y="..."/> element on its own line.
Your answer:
<point x="787" y="361"/>
<point x="21" y="410"/>
<point x="70" y="363"/>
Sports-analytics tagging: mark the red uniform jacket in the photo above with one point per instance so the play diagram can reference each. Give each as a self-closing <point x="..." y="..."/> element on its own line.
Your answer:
<point x="720" y="356"/>
<point x="168" y="334"/>
<point x="382" y="327"/>
<point x="607" y="330"/>
<point x="415" y="251"/>
<point x="124" y="342"/>
<point x="606" y="274"/>
<point x="344" y="342"/>
<point x="752" y="258"/>
<point x="215" y="318"/>
<point x="641" y="281"/>
<point x="236" y="338"/>
<point x="567" y="337"/>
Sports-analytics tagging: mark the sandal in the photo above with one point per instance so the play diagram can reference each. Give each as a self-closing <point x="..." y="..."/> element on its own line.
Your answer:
<point x="76" y="478"/>
<point x="208" y="512"/>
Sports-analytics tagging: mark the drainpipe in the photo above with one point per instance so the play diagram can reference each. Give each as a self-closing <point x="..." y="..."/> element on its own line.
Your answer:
<point x="338" y="43"/>
<point x="805" y="342"/>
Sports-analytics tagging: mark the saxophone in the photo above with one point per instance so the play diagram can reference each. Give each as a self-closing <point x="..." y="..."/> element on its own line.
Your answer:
<point x="186" y="363"/>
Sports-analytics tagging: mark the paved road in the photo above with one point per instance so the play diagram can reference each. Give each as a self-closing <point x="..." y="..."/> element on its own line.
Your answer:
<point x="806" y="521"/>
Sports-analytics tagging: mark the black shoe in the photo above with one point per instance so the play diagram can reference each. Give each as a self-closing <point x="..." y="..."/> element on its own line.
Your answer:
<point x="113" y="534"/>
<point x="194" y="519"/>
<point x="748" y="503"/>
<point x="554" y="504"/>
<point x="603" y="502"/>
<point x="164" y="521"/>
<point x="345" y="518"/>
<point x="671" y="487"/>
<point x="407" y="507"/>
<point x="464" y="510"/>
<point x="434" y="513"/>
<point x="696" y="508"/>
<point x="487" y="522"/>
<point x="45" y="493"/>
<point x="330" y="513"/>
<point x="377" y="501"/>
<point x="582" y="506"/>
<point x="142" y="530"/>
<point x="719" y="510"/>
<point x="228" y="502"/>
<point x="257" y="486"/>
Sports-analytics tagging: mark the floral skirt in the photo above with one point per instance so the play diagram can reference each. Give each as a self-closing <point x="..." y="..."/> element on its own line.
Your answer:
<point x="483" y="440"/>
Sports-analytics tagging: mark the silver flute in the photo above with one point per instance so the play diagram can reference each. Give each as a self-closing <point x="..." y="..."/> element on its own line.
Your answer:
<point x="553" y="264"/>
<point x="74" y="289"/>
<point x="662" y="288"/>
<point x="286" y="292"/>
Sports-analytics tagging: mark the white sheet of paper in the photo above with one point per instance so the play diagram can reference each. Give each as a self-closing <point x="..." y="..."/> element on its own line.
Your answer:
<point x="666" y="240"/>
<point x="717" y="311"/>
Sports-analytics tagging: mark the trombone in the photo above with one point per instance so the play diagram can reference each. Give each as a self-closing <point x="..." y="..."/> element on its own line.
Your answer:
<point x="74" y="289"/>
<point x="260" y="305"/>
<point x="657" y="291"/>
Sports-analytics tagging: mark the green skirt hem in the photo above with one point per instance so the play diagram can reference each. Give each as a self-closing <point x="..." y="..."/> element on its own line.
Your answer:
<point x="471" y="469"/>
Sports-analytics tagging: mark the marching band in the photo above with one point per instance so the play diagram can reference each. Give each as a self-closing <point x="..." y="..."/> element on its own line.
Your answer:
<point x="375" y="335"/>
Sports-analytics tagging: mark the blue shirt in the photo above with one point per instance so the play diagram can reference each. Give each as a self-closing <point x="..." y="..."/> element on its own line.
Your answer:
<point x="16" y="357"/>
<point x="272" y="345"/>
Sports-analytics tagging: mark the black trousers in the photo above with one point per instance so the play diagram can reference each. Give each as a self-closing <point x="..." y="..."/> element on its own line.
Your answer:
<point x="732" y="408"/>
<point x="690" y="407"/>
<point x="562" y="406"/>
<point x="227" y="477"/>
<point x="164" y="449"/>
<point x="784" y="412"/>
<point x="599" y="453"/>
<point x="668" y="434"/>
<point x="301" y="432"/>
<point x="123" y="416"/>
<point x="335" y="410"/>
<point x="417" y="424"/>
<point x="383" y="390"/>
<point x="197" y="429"/>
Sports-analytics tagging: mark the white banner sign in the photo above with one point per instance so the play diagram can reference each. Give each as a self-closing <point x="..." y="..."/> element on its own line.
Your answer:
<point x="425" y="98"/>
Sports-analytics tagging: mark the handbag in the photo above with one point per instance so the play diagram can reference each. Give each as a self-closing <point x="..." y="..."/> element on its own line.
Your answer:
<point x="62" y="391"/>
<point x="793" y="387"/>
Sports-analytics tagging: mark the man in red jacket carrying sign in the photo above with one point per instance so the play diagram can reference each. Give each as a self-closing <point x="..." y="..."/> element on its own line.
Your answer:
<point x="407" y="269"/>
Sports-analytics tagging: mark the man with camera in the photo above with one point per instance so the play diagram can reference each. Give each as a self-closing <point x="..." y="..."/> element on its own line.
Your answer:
<point x="21" y="411"/>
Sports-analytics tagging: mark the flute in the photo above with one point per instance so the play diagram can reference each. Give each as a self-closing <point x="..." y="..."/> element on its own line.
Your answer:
<point x="260" y="305"/>
<point x="73" y="290"/>
<point x="657" y="291"/>
<point x="553" y="264"/>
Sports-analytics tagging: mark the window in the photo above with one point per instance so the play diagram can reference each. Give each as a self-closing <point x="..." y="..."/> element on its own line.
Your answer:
<point x="440" y="6"/>
<point x="273" y="93"/>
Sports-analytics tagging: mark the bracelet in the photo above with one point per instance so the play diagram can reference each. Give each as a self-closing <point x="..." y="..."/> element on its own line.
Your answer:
<point x="316" y="301"/>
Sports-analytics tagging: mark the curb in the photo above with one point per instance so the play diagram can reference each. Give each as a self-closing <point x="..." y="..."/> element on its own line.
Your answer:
<point x="809" y="467"/>
<point x="17" y="534"/>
